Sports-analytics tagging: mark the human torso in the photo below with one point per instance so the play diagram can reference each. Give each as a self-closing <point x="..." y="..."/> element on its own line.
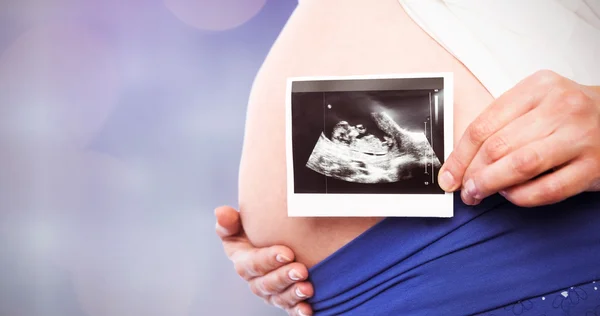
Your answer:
<point x="331" y="38"/>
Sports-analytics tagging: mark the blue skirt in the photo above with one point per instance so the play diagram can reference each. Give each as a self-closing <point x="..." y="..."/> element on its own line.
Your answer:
<point x="492" y="259"/>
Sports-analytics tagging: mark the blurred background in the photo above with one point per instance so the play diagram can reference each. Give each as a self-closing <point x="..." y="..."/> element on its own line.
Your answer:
<point x="121" y="126"/>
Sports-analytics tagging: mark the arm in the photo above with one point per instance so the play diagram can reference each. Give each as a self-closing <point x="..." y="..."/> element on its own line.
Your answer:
<point x="270" y="271"/>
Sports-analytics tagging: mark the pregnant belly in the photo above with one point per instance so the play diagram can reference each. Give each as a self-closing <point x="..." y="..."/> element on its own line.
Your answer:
<point x="330" y="38"/>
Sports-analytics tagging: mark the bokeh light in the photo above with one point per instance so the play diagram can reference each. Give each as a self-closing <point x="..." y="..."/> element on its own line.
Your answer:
<point x="215" y="15"/>
<point x="121" y="127"/>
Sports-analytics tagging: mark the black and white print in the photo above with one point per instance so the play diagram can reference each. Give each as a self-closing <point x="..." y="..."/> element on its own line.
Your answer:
<point x="367" y="138"/>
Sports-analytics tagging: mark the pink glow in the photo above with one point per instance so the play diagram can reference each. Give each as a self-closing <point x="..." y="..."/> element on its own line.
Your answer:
<point x="215" y="15"/>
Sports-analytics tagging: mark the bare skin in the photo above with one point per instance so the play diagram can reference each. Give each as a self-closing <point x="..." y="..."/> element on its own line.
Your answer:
<point x="545" y="123"/>
<point x="498" y="157"/>
<point x="270" y="271"/>
<point x="314" y="42"/>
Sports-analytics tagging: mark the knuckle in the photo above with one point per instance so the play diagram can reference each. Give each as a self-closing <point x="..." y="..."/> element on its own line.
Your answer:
<point x="526" y="163"/>
<point x="576" y="100"/>
<point x="268" y="287"/>
<point x="547" y="192"/>
<point x="545" y="77"/>
<point x="278" y="302"/>
<point x="288" y="299"/>
<point x="253" y="268"/>
<point x="256" y="290"/>
<point x="241" y="271"/>
<point x="496" y="148"/>
<point x="552" y="190"/>
<point x="264" y="287"/>
<point x="454" y="164"/>
<point x="479" y="131"/>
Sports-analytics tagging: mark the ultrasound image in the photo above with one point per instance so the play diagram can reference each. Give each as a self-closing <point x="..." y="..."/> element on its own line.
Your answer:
<point x="353" y="154"/>
<point x="367" y="141"/>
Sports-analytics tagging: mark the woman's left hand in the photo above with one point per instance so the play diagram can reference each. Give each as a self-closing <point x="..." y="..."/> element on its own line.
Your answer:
<point x="545" y="123"/>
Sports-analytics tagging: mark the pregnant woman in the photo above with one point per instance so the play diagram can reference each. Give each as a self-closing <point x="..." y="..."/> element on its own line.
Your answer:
<point x="530" y="134"/>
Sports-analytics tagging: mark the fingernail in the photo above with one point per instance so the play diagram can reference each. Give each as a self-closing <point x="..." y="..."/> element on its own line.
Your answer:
<point x="299" y="293"/>
<point x="300" y="312"/>
<point x="222" y="230"/>
<point x="294" y="275"/>
<point x="283" y="259"/>
<point x="467" y="199"/>
<point x="447" y="180"/>
<point x="464" y="197"/>
<point x="471" y="190"/>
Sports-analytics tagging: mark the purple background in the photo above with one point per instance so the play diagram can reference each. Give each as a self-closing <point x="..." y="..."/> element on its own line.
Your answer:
<point x="121" y="125"/>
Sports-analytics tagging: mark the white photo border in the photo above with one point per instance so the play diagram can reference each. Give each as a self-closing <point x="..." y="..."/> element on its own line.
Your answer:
<point x="371" y="205"/>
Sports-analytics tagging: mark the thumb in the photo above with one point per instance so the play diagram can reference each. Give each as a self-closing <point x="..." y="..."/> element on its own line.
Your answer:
<point x="228" y="222"/>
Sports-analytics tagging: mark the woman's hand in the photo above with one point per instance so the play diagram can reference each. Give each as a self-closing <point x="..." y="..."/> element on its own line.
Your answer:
<point x="270" y="272"/>
<point x="545" y="123"/>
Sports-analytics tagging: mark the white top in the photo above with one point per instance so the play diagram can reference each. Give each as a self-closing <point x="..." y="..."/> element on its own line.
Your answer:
<point x="503" y="41"/>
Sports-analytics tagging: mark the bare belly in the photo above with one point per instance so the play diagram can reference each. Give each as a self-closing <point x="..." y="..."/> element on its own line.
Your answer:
<point x="331" y="38"/>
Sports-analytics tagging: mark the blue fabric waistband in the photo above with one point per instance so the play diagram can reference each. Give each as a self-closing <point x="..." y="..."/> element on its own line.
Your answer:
<point x="483" y="258"/>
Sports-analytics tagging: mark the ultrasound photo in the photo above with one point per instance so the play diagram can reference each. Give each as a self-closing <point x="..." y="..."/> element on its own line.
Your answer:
<point x="367" y="136"/>
<point x="380" y="141"/>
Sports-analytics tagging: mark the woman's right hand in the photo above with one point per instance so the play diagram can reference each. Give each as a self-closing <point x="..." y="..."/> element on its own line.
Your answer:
<point x="271" y="271"/>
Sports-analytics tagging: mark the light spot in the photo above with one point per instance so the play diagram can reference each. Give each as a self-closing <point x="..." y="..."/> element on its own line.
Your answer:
<point x="543" y="298"/>
<point x="565" y="294"/>
<point x="329" y="106"/>
<point x="595" y="288"/>
<point x="214" y="15"/>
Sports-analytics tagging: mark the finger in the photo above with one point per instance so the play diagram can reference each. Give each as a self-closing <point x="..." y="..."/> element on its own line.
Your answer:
<point x="258" y="262"/>
<point x="554" y="187"/>
<point x="512" y="104"/>
<point x="532" y="126"/>
<point x="522" y="131"/>
<point x="294" y="295"/>
<point x="302" y="309"/>
<point x="228" y="221"/>
<point x="518" y="133"/>
<point x="522" y="165"/>
<point x="277" y="281"/>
